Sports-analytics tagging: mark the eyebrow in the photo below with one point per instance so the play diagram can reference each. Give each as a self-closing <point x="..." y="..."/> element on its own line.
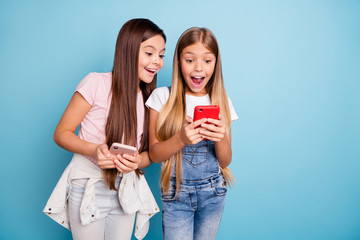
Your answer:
<point x="194" y="53"/>
<point x="151" y="46"/>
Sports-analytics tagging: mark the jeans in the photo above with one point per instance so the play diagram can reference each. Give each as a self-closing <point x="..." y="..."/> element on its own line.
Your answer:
<point x="195" y="212"/>
<point x="113" y="222"/>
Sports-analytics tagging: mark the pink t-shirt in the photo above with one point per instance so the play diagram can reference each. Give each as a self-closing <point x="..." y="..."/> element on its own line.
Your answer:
<point x="95" y="88"/>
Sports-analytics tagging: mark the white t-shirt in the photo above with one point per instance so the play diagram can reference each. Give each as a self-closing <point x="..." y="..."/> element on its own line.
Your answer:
<point x="160" y="95"/>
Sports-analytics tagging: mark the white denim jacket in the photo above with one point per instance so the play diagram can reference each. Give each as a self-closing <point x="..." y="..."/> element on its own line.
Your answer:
<point x="134" y="196"/>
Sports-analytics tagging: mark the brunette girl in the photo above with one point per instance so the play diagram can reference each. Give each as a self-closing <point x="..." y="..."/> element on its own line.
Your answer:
<point x="99" y="193"/>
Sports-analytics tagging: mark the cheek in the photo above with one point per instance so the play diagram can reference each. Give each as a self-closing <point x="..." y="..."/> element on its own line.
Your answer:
<point x="183" y="73"/>
<point x="211" y="70"/>
<point x="185" y="70"/>
<point x="142" y="61"/>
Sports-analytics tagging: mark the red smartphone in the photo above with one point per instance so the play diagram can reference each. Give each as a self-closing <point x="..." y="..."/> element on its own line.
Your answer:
<point x="118" y="148"/>
<point x="209" y="111"/>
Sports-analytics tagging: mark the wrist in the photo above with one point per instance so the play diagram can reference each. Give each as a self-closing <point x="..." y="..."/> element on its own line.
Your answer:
<point x="180" y="140"/>
<point x="144" y="160"/>
<point x="94" y="151"/>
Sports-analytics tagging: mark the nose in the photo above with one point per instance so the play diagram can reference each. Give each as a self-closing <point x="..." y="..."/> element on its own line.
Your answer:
<point x="198" y="67"/>
<point x="156" y="60"/>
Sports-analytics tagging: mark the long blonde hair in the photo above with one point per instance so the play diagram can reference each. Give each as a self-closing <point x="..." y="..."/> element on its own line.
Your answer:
<point x="172" y="115"/>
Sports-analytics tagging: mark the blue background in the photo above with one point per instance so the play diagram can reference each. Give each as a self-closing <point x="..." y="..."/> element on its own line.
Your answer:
<point x="291" y="68"/>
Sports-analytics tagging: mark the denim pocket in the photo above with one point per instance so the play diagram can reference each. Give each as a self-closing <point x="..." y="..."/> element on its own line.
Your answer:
<point x="168" y="196"/>
<point x="197" y="154"/>
<point x="220" y="188"/>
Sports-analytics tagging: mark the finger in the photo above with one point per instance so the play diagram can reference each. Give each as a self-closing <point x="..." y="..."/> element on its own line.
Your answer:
<point x="215" y="122"/>
<point x="213" y="136"/>
<point x="110" y="166"/>
<point x="125" y="157"/>
<point x="212" y="139"/>
<point x="128" y="163"/>
<point x="105" y="150"/>
<point x="209" y="127"/>
<point x="122" y="167"/>
<point x="197" y="140"/>
<point x="130" y="158"/>
<point x="188" y="119"/>
<point x="106" y="164"/>
<point x="191" y="136"/>
<point x="195" y="137"/>
<point x="198" y="122"/>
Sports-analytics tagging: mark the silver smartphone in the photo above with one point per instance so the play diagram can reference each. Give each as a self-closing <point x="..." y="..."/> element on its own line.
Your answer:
<point x="118" y="148"/>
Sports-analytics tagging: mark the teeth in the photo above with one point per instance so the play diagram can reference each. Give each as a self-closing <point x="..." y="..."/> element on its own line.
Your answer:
<point x="151" y="70"/>
<point x="198" y="77"/>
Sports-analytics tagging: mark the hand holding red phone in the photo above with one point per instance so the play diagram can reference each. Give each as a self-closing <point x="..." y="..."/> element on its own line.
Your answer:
<point x="213" y="129"/>
<point x="189" y="132"/>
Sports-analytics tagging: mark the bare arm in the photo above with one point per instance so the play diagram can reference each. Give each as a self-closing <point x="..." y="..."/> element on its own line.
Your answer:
<point x="66" y="138"/>
<point x="161" y="151"/>
<point x="223" y="151"/>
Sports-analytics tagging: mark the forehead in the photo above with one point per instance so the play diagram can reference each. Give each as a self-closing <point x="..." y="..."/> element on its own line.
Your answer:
<point x="156" y="42"/>
<point x="198" y="49"/>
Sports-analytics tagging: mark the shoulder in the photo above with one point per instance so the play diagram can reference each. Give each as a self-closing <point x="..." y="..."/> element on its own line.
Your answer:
<point x="233" y="113"/>
<point x="165" y="91"/>
<point x="94" y="84"/>
<point x="96" y="79"/>
<point x="160" y="95"/>
<point x="158" y="98"/>
<point x="229" y="101"/>
<point x="162" y="92"/>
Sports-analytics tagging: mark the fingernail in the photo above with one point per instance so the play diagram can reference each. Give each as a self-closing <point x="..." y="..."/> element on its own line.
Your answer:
<point x="108" y="155"/>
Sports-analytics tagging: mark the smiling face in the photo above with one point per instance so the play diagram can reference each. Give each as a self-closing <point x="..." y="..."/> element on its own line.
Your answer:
<point x="197" y="66"/>
<point x="151" y="58"/>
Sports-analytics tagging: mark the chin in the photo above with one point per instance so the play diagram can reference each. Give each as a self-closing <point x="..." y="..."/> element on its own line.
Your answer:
<point x="147" y="80"/>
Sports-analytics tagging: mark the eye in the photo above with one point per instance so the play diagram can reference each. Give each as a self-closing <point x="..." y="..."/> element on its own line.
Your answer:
<point x="161" y="56"/>
<point x="188" y="60"/>
<point x="208" y="61"/>
<point x="148" y="53"/>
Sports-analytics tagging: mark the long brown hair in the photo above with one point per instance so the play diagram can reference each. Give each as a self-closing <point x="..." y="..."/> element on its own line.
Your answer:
<point x="172" y="115"/>
<point x="121" y="123"/>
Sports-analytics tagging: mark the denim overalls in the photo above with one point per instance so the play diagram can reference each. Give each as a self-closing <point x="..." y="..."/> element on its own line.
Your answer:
<point x="195" y="212"/>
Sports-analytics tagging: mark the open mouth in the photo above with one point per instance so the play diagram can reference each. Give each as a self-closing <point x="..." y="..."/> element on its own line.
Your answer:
<point x="197" y="81"/>
<point x="150" y="70"/>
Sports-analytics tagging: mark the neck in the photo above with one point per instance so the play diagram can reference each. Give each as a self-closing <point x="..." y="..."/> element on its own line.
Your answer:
<point x="196" y="94"/>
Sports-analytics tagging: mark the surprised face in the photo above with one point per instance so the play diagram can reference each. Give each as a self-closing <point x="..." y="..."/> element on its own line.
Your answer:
<point x="197" y="67"/>
<point x="151" y="58"/>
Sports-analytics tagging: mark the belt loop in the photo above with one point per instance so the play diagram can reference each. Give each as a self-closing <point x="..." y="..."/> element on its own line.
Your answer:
<point x="212" y="183"/>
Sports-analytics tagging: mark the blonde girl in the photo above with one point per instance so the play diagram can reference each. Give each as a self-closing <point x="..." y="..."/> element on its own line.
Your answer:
<point x="194" y="155"/>
<point x="99" y="193"/>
